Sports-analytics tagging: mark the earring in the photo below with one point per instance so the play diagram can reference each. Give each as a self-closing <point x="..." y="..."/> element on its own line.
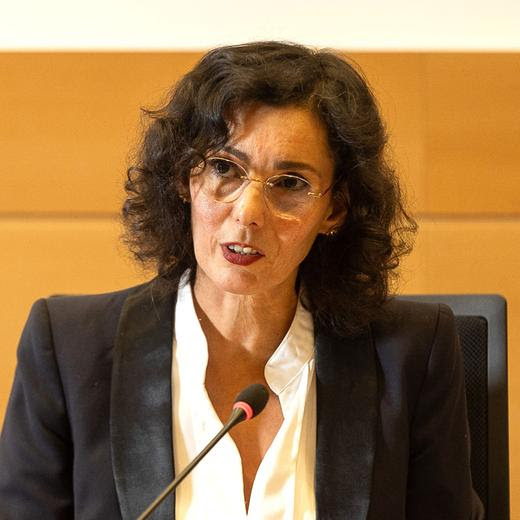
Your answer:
<point x="184" y="198"/>
<point x="331" y="232"/>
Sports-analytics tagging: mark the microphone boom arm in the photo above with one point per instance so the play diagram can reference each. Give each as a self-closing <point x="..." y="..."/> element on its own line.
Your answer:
<point x="237" y="415"/>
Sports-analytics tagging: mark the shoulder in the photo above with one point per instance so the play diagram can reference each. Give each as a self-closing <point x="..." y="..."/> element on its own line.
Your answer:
<point x="90" y="304"/>
<point x="409" y="319"/>
<point x="85" y="313"/>
<point x="77" y="325"/>
<point x="413" y="327"/>
<point x="415" y="343"/>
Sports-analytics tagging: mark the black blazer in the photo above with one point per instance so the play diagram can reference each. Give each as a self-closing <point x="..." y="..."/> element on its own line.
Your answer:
<point x="88" y="430"/>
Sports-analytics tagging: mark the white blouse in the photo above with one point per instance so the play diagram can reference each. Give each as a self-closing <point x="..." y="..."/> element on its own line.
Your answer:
<point x="283" y="488"/>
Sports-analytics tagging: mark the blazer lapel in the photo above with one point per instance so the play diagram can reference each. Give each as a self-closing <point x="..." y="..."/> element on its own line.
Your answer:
<point x="141" y="412"/>
<point x="346" y="384"/>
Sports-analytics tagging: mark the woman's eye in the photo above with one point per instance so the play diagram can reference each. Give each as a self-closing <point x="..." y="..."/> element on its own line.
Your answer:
<point x="223" y="169"/>
<point x="289" y="182"/>
<point x="220" y="167"/>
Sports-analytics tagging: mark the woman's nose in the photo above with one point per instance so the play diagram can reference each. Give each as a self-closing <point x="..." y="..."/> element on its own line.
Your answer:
<point x="250" y="208"/>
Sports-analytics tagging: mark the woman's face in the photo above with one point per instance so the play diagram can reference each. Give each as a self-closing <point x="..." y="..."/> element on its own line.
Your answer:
<point x="265" y="141"/>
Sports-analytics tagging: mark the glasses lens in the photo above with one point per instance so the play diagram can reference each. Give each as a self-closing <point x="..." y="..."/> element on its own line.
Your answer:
<point x="288" y="194"/>
<point x="222" y="179"/>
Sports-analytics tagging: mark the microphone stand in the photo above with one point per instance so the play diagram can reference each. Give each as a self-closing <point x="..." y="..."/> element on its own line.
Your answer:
<point x="237" y="415"/>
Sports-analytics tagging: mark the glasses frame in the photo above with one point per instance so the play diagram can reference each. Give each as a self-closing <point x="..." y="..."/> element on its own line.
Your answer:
<point x="267" y="182"/>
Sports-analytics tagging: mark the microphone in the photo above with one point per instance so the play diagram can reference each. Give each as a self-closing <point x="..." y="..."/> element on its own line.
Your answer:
<point x="248" y="404"/>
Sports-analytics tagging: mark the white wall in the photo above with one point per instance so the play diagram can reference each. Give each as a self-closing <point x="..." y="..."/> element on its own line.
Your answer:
<point x="198" y="24"/>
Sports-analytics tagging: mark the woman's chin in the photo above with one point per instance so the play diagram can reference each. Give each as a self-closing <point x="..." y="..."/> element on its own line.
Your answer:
<point x="242" y="281"/>
<point x="245" y="283"/>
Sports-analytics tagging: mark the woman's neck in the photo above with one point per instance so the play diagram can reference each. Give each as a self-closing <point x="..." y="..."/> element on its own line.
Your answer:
<point x="253" y="325"/>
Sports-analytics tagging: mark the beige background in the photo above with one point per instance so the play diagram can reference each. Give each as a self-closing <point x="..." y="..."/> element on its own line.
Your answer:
<point x="479" y="25"/>
<point x="68" y="121"/>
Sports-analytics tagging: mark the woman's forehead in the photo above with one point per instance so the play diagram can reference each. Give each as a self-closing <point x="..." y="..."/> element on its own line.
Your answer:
<point x="281" y="134"/>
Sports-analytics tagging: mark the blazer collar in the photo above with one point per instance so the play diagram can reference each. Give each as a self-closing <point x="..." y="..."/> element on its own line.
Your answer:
<point x="346" y="386"/>
<point x="140" y="408"/>
<point x="141" y="413"/>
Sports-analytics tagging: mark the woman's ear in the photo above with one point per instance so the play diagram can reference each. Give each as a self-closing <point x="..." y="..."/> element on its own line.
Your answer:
<point x="183" y="191"/>
<point x="338" y="211"/>
<point x="185" y="197"/>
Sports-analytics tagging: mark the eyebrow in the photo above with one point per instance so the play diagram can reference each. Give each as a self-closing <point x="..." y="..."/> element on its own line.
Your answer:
<point x="279" y="165"/>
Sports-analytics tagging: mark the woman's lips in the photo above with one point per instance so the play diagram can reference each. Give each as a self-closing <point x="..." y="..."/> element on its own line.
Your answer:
<point x="240" y="258"/>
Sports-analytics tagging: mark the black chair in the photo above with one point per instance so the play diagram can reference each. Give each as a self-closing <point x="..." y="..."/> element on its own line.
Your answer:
<point x="481" y="322"/>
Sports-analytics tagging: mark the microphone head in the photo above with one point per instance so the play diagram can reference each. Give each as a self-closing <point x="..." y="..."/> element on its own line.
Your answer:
<point x="252" y="400"/>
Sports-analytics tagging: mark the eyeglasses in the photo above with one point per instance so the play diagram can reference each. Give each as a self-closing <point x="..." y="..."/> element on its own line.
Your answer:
<point x="286" y="195"/>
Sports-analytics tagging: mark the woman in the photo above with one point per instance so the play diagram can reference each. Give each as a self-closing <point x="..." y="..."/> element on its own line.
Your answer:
<point x="262" y="195"/>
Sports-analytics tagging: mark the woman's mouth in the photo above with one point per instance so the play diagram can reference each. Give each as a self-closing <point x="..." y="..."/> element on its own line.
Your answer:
<point x="240" y="254"/>
<point x="242" y="250"/>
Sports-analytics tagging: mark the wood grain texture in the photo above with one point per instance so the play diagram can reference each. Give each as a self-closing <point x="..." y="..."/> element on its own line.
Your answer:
<point x="45" y="256"/>
<point x="68" y="123"/>
<point x="472" y="137"/>
<point x="476" y="255"/>
<point x="399" y="82"/>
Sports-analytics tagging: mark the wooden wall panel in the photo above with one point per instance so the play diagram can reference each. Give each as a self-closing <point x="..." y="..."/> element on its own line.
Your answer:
<point x="49" y="256"/>
<point x="399" y="82"/>
<point x="40" y="257"/>
<point x="68" y="122"/>
<point x="473" y="133"/>
<point x="475" y="256"/>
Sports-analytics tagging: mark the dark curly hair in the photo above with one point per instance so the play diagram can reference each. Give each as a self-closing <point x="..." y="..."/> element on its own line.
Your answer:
<point x="346" y="277"/>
